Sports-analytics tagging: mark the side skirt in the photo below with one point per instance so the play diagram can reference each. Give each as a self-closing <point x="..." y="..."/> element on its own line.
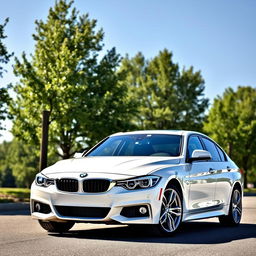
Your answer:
<point x="207" y="212"/>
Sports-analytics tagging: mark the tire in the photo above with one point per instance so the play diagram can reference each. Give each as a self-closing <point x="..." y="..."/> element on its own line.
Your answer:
<point x="235" y="210"/>
<point x="58" y="227"/>
<point x="171" y="213"/>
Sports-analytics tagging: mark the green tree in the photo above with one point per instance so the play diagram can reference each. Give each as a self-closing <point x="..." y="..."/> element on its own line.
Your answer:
<point x="168" y="97"/>
<point x="66" y="77"/>
<point x="232" y="123"/>
<point x="4" y="99"/>
<point x="112" y="105"/>
<point x="4" y="58"/>
<point x="23" y="162"/>
<point x="19" y="163"/>
<point x="6" y="176"/>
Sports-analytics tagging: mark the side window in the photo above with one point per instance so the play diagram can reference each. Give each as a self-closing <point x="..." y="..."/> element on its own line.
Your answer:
<point x="210" y="146"/>
<point x="193" y="143"/>
<point x="222" y="155"/>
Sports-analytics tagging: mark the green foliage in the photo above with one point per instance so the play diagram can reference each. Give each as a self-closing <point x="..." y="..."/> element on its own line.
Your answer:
<point x="4" y="99"/>
<point x="17" y="161"/>
<point x="4" y="58"/>
<point x="4" y="55"/>
<point x="251" y="175"/>
<point x="66" y="77"/>
<point x="168" y="98"/>
<point x="111" y="107"/>
<point x="23" y="162"/>
<point x="232" y="123"/>
<point x="6" y="176"/>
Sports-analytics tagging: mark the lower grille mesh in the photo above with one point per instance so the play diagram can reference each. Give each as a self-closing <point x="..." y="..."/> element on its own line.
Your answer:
<point x="84" y="212"/>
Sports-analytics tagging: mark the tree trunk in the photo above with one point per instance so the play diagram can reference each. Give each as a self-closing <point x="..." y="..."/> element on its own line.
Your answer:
<point x="230" y="148"/>
<point x="245" y="166"/>
<point x="245" y="178"/>
<point x="44" y="140"/>
<point x="66" y="152"/>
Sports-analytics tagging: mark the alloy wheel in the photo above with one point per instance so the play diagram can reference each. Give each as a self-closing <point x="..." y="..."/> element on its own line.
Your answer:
<point x="171" y="210"/>
<point x="236" y="206"/>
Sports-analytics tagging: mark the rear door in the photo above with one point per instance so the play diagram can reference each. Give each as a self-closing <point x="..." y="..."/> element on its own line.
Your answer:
<point x="224" y="179"/>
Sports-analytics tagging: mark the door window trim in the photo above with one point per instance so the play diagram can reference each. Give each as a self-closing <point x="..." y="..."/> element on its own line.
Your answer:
<point x="204" y="147"/>
<point x="187" y="153"/>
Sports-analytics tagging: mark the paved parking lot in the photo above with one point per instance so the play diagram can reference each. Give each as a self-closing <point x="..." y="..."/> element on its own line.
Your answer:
<point x="20" y="235"/>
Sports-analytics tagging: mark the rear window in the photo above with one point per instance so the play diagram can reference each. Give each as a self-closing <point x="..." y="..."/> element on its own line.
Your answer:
<point x="222" y="155"/>
<point x="139" y="145"/>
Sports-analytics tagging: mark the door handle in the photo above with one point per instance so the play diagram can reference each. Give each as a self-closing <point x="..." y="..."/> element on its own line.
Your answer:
<point x="228" y="168"/>
<point x="211" y="171"/>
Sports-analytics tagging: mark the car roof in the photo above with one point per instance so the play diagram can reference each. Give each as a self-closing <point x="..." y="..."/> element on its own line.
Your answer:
<point x="168" y="132"/>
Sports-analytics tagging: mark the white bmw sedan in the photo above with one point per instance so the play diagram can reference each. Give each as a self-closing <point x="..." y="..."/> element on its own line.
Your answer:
<point x="158" y="178"/>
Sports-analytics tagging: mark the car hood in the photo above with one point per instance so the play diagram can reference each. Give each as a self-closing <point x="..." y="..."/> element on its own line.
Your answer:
<point x="113" y="167"/>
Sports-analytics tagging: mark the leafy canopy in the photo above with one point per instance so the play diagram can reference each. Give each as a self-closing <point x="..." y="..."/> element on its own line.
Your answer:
<point x="4" y="58"/>
<point x="168" y="97"/>
<point x="65" y="77"/>
<point x="232" y="123"/>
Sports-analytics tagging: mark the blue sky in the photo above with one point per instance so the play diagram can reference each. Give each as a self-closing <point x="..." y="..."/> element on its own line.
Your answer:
<point x="217" y="37"/>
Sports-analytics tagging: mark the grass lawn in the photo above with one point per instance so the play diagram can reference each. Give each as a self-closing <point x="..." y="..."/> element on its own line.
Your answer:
<point x="8" y="195"/>
<point x="250" y="190"/>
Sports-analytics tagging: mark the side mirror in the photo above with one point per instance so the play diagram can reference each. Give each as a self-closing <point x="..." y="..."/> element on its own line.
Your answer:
<point x="198" y="155"/>
<point x="78" y="155"/>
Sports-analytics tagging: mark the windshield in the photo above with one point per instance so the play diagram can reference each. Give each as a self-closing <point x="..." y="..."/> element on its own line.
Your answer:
<point x="139" y="145"/>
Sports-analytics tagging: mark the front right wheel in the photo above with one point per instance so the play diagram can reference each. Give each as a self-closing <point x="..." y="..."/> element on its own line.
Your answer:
<point x="235" y="210"/>
<point x="171" y="212"/>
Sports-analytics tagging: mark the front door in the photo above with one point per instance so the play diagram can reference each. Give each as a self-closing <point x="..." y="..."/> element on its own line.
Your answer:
<point x="201" y="179"/>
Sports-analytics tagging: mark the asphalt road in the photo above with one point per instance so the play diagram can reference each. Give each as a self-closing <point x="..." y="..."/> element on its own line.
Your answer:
<point x="20" y="235"/>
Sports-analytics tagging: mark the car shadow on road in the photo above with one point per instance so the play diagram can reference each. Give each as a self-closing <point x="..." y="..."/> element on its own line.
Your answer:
<point x="190" y="233"/>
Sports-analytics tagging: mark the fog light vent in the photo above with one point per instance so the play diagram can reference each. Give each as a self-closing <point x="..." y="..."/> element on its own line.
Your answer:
<point x="37" y="207"/>
<point x="42" y="208"/>
<point x="135" y="211"/>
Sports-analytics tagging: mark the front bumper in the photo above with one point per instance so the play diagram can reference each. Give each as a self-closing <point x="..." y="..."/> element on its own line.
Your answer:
<point x="115" y="200"/>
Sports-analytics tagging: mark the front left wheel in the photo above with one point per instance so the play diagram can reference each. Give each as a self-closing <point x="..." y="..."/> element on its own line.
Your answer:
<point x="171" y="212"/>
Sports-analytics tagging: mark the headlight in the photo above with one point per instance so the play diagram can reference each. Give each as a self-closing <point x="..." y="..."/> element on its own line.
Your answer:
<point x="43" y="181"/>
<point x="139" y="183"/>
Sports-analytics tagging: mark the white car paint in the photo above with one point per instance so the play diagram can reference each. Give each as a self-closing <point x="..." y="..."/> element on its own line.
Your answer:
<point x="206" y="186"/>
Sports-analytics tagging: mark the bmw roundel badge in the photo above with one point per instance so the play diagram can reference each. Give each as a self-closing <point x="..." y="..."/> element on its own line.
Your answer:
<point x="82" y="175"/>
